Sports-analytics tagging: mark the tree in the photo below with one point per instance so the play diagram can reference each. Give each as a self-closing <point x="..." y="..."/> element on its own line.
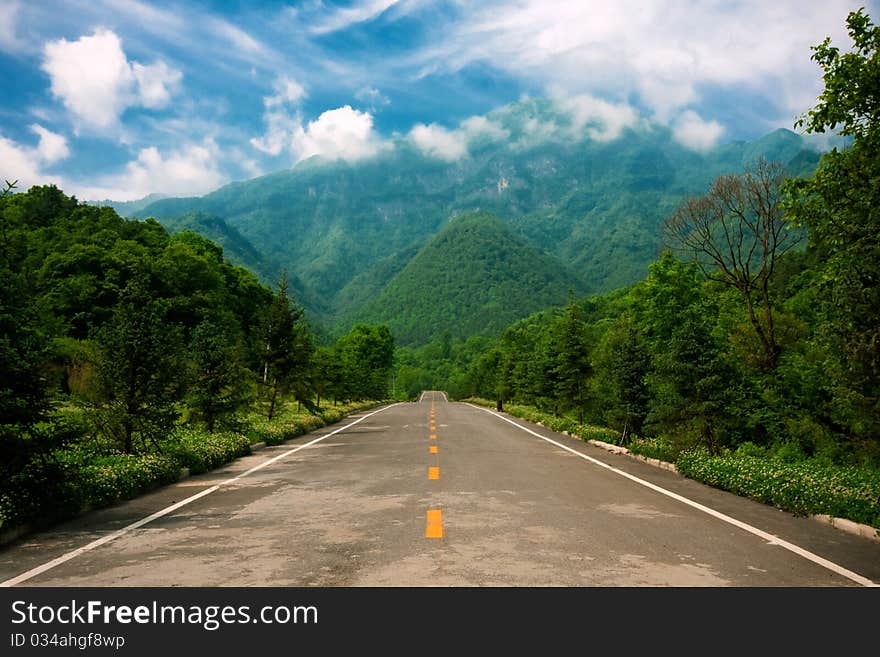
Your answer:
<point x="287" y="355"/>
<point x="690" y="385"/>
<point x="139" y="370"/>
<point x="367" y="356"/>
<point x="572" y="355"/>
<point x="736" y="233"/>
<point x="218" y="382"/>
<point x="28" y="471"/>
<point x="838" y="205"/>
<point x="623" y="364"/>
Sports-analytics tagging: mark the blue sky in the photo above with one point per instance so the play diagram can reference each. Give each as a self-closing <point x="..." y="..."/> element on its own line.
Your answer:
<point x="121" y="98"/>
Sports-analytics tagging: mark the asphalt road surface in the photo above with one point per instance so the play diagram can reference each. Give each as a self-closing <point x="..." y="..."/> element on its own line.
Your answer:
<point x="440" y="494"/>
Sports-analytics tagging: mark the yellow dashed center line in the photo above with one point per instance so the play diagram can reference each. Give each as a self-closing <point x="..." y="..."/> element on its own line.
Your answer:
<point x="434" y="525"/>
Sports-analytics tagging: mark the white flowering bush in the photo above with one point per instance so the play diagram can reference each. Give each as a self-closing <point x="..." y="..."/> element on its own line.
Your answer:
<point x="200" y="451"/>
<point x="119" y="477"/>
<point x="804" y="487"/>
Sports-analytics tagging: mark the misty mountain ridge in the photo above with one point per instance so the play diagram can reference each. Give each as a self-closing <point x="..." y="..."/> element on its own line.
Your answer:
<point x="590" y="199"/>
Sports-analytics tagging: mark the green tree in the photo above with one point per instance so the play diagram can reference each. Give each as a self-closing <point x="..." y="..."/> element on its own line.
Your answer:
<point x="623" y="363"/>
<point x="735" y="233"/>
<point x="691" y="387"/>
<point x="367" y="356"/>
<point x="287" y="348"/>
<point x="573" y="367"/>
<point x="219" y="383"/>
<point x="838" y="205"/>
<point x="28" y="471"/>
<point x="140" y="377"/>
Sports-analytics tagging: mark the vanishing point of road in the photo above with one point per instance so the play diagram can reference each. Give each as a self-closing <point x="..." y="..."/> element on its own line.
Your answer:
<point x="434" y="493"/>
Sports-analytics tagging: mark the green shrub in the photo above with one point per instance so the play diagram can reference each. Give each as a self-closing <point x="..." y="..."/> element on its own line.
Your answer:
<point x="112" y="478"/>
<point x="802" y="487"/>
<point x="201" y="451"/>
<point x="789" y="451"/>
<point x="653" y="448"/>
<point x="749" y="448"/>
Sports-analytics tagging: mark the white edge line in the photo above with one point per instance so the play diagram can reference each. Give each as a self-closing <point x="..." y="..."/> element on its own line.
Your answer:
<point x="773" y="540"/>
<point x="33" y="572"/>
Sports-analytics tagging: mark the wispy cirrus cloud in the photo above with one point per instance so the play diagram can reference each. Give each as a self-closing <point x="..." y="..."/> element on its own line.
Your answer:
<point x="342" y="18"/>
<point x="9" y="39"/>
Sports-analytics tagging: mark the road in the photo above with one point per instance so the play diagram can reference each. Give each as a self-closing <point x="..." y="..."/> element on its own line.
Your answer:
<point x="434" y="493"/>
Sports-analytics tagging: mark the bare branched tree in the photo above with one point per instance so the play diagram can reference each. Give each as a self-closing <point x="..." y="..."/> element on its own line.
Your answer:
<point x="736" y="233"/>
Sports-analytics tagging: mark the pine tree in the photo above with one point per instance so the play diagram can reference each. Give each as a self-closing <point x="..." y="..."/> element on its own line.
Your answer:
<point x="573" y="367"/>
<point x="287" y="354"/>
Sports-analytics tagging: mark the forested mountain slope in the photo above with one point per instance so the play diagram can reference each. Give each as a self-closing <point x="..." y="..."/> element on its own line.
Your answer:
<point x="345" y="229"/>
<point x="474" y="278"/>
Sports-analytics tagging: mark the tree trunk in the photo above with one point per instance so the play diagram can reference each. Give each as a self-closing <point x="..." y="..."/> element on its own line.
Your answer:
<point x="129" y="431"/>
<point x="768" y="343"/>
<point x="274" y="398"/>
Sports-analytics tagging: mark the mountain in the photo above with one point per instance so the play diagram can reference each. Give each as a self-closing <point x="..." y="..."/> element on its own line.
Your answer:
<point x="475" y="277"/>
<point x="594" y="200"/>
<point x="238" y="250"/>
<point x="129" y="208"/>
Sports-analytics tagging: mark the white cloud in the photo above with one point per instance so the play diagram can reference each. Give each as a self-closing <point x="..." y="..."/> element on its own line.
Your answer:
<point x="287" y="90"/>
<point x="665" y="55"/>
<point x="155" y="83"/>
<point x="52" y="146"/>
<point x="189" y="171"/>
<point x="348" y="16"/>
<point x="373" y="97"/>
<point x="9" y="40"/>
<point x="281" y="125"/>
<point x="342" y="133"/>
<point x="450" y="145"/>
<point x="97" y="83"/>
<point x="480" y="126"/>
<point x="25" y="163"/>
<point x="692" y="131"/>
<point x="236" y="37"/>
<point x="280" y="128"/>
<point x="599" y="119"/>
<point x="436" y="141"/>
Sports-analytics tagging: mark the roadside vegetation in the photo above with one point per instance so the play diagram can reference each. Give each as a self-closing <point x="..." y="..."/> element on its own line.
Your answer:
<point x="127" y="353"/>
<point x="750" y="354"/>
<point x="781" y="476"/>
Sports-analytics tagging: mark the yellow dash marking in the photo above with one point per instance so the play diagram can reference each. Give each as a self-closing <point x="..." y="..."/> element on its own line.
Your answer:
<point x="434" y="526"/>
<point x="433" y="472"/>
<point x="432" y="449"/>
<point x="433" y="436"/>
